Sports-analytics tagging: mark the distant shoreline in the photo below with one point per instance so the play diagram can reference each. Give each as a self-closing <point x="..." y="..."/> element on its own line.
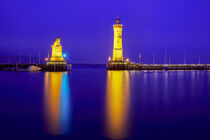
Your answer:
<point x="86" y="66"/>
<point x="24" y="67"/>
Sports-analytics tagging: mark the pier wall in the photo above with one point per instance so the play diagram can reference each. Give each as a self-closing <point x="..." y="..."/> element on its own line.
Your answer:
<point x="44" y="67"/>
<point x="56" y="67"/>
<point x="14" y="67"/>
<point x="134" y="66"/>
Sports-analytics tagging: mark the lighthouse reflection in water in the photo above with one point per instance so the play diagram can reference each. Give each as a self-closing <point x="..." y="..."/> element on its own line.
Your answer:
<point x="57" y="101"/>
<point x="117" y="104"/>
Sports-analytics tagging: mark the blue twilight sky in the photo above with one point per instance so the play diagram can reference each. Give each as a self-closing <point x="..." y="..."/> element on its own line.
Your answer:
<point x="86" y="32"/>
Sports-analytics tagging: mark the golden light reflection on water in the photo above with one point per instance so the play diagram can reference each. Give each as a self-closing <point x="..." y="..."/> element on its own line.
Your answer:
<point x="57" y="103"/>
<point x="117" y="104"/>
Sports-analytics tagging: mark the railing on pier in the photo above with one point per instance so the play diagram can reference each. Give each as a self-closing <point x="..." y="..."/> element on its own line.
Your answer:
<point x="135" y="66"/>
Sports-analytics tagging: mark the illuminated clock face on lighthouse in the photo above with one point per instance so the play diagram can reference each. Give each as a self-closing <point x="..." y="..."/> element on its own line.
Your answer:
<point x="117" y="47"/>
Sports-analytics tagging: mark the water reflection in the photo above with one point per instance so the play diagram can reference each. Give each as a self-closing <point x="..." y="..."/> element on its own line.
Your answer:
<point x="117" y="104"/>
<point x="57" y="103"/>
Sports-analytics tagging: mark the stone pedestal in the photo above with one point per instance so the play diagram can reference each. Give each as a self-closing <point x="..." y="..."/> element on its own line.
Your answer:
<point x="56" y="66"/>
<point x="118" y="65"/>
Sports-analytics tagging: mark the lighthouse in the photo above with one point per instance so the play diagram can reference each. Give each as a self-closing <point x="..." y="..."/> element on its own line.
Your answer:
<point x="117" y="45"/>
<point x="117" y="61"/>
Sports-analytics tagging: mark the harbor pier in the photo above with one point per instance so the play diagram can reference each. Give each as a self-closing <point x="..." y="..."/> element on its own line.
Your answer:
<point x="57" y="66"/>
<point x="43" y="67"/>
<point x="118" y="61"/>
<point x="165" y="67"/>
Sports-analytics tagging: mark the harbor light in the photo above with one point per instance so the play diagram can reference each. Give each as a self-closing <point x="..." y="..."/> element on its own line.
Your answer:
<point x="109" y="59"/>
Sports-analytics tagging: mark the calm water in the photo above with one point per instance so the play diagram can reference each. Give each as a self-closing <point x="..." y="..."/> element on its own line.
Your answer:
<point x="100" y="104"/>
